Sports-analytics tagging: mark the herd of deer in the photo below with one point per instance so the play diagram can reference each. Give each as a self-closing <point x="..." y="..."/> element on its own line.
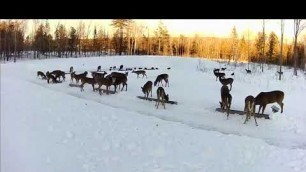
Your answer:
<point x="262" y="99"/>
<point x="115" y="78"/>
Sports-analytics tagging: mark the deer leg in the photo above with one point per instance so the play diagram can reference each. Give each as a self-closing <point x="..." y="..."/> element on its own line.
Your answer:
<point x="151" y="92"/>
<point x="246" y="119"/>
<point x="93" y="87"/>
<point x="99" y="88"/>
<point x="107" y="90"/>
<point x="124" y="85"/>
<point x="157" y="103"/>
<point x="259" y="109"/>
<point x="231" y="87"/>
<point x="281" y="105"/>
<point x="255" y="120"/>
<point x="263" y="109"/>
<point x="227" y="110"/>
<point x="82" y="87"/>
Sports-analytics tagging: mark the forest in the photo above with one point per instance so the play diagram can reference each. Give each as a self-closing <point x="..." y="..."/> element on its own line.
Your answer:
<point x="129" y="38"/>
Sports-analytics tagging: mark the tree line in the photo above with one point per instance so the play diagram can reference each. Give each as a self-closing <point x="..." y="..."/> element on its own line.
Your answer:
<point x="129" y="38"/>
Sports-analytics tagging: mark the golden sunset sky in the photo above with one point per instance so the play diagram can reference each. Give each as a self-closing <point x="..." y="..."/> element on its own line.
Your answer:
<point x="190" y="27"/>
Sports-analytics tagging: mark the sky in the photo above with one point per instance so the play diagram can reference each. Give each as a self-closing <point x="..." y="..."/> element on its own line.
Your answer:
<point x="190" y="27"/>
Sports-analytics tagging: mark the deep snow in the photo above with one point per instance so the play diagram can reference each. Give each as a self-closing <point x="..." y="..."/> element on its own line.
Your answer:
<point x="54" y="127"/>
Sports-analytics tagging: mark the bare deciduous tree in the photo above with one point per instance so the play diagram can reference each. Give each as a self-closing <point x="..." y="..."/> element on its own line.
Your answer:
<point x="281" y="50"/>
<point x="297" y="30"/>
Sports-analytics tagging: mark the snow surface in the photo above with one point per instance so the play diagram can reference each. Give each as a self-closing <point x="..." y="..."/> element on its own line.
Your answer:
<point x="54" y="127"/>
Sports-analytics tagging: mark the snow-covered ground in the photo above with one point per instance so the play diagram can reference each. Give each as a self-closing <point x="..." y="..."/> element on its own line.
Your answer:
<point x="54" y="127"/>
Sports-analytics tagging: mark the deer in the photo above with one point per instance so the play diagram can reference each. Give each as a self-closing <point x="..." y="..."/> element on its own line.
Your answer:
<point x="147" y="88"/>
<point x="120" y="78"/>
<point x="142" y="72"/>
<point x="227" y="81"/>
<point x="40" y="73"/>
<point x="58" y="74"/>
<point x="77" y="77"/>
<point x="248" y="71"/>
<point x="87" y="80"/>
<point x="218" y="74"/>
<point x="161" y="97"/>
<point x="50" y="76"/>
<point x="161" y="77"/>
<point x="107" y="81"/>
<point x="226" y="99"/>
<point x="249" y="108"/>
<point x="93" y="74"/>
<point x="264" y="98"/>
<point x="121" y="67"/>
<point x="216" y="70"/>
<point x="71" y="69"/>
<point x="99" y="68"/>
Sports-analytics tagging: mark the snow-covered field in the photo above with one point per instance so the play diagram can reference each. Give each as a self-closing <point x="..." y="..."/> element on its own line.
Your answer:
<point x="54" y="127"/>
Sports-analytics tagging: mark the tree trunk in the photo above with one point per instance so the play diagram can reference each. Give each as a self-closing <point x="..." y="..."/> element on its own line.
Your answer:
<point x="295" y="55"/>
<point x="281" y="51"/>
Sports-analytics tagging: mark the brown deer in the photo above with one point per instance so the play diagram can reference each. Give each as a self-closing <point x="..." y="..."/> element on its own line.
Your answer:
<point x="226" y="99"/>
<point x="142" y="72"/>
<point x="71" y="69"/>
<point x="264" y="98"/>
<point x="249" y="108"/>
<point x="161" y="97"/>
<point x="99" y="68"/>
<point x="218" y="74"/>
<point x="40" y="73"/>
<point x="216" y="70"/>
<point x="87" y="80"/>
<point x="107" y="81"/>
<point x="77" y="77"/>
<point x="50" y="76"/>
<point x="121" y="67"/>
<point x="93" y="74"/>
<point x="120" y="78"/>
<point x="161" y="77"/>
<point x="147" y="88"/>
<point x="58" y="74"/>
<point x="226" y="81"/>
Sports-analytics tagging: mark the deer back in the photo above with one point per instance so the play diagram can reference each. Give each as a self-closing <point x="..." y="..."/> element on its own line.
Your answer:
<point x="264" y="98"/>
<point x="249" y="102"/>
<point x="161" y="77"/>
<point x="161" y="94"/>
<point x="147" y="86"/>
<point x="226" y="81"/>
